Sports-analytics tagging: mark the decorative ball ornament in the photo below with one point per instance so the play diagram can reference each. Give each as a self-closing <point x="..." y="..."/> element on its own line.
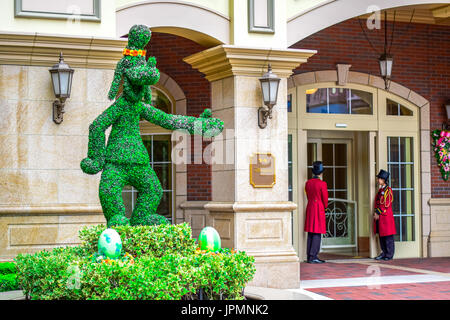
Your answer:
<point x="110" y="244"/>
<point x="209" y="239"/>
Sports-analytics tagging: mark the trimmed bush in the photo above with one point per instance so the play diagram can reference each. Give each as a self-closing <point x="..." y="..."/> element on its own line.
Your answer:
<point x="166" y="265"/>
<point x="7" y="267"/>
<point x="8" y="276"/>
<point x="8" y="282"/>
<point x="145" y="240"/>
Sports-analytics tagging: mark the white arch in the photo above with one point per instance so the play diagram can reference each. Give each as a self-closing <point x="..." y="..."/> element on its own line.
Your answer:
<point x="332" y="12"/>
<point x="200" y="24"/>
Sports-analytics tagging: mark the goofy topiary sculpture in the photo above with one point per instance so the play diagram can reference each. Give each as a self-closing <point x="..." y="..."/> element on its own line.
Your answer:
<point x="125" y="160"/>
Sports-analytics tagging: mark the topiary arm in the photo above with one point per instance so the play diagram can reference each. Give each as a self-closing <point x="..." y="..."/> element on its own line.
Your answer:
<point x="96" y="147"/>
<point x="203" y="125"/>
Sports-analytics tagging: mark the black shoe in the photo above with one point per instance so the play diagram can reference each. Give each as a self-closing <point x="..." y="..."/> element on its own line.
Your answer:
<point x="386" y="258"/>
<point x="380" y="257"/>
<point x="321" y="261"/>
<point x="315" y="261"/>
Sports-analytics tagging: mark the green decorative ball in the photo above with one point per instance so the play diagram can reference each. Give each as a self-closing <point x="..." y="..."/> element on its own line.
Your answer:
<point x="110" y="244"/>
<point x="209" y="239"/>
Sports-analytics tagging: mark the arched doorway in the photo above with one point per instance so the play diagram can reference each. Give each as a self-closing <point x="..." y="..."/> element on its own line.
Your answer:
<point x="356" y="129"/>
<point x="175" y="17"/>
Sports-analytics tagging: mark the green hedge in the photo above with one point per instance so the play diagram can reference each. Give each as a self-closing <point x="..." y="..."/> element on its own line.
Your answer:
<point x="165" y="266"/>
<point x="8" y="276"/>
<point x="8" y="282"/>
<point x="7" y="267"/>
<point x="145" y="240"/>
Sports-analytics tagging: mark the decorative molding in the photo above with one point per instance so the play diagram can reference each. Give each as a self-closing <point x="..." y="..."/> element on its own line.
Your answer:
<point x="342" y="72"/>
<point x="439" y="202"/>
<point x="252" y="27"/>
<point x="226" y="60"/>
<point x="258" y="206"/>
<point x="55" y="209"/>
<point x="95" y="16"/>
<point x="36" y="49"/>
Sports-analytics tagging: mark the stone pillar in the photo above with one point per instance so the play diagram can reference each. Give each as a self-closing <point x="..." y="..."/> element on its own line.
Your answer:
<point x="256" y="220"/>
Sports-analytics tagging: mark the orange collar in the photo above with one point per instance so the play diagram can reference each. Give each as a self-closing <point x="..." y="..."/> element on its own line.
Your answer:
<point x="134" y="53"/>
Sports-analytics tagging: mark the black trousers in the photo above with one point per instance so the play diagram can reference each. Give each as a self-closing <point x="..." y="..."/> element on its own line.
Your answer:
<point x="313" y="245"/>
<point x="387" y="245"/>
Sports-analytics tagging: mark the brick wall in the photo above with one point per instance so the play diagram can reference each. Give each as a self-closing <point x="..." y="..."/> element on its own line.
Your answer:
<point x="169" y="51"/>
<point x="421" y="62"/>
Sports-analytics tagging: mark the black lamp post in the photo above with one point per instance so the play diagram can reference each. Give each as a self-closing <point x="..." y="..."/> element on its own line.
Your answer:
<point x="61" y="75"/>
<point x="269" y="87"/>
<point x="386" y="60"/>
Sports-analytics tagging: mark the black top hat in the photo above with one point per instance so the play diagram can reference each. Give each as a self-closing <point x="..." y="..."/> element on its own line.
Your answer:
<point x="317" y="167"/>
<point x="383" y="175"/>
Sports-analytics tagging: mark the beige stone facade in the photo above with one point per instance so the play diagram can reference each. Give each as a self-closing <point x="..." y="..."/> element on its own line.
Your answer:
<point x="45" y="198"/>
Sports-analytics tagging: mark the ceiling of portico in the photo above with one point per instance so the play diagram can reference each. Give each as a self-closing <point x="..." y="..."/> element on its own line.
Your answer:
<point x="438" y="14"/>
<point x="332" y="12"/>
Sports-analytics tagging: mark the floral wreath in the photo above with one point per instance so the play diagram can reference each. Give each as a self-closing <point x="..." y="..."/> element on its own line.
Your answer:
<point x="441" y="148"/>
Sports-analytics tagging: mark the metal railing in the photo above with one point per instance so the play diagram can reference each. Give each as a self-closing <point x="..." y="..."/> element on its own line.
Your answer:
<point x="341" y="224"/>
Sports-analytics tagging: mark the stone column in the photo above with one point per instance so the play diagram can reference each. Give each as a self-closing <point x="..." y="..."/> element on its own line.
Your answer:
<point x="256" y="220"/>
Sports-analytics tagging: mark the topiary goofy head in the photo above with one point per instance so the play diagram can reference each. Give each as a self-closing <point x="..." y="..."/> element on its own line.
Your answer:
<point x="137" y="74"/>
<point x="125" y="160"/>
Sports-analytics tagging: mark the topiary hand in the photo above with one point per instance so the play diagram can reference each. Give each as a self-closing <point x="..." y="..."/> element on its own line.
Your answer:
<point x="91" y="166"/>
<point x="211" y="127"/>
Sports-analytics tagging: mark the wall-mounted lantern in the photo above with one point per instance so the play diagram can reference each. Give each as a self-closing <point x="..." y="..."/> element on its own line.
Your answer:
<point x="61" y="75"/>
<point x="269" y="88"/>
<point x="386" y="60"/>
<point x="446" y="125"/>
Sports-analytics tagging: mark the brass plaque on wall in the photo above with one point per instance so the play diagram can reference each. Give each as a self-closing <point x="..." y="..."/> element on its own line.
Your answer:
<point x="262" y="170"/>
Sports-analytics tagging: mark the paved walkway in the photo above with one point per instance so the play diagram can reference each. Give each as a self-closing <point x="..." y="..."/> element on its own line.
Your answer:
<point x="367" y="279"/>
<point x="357" y="279"/>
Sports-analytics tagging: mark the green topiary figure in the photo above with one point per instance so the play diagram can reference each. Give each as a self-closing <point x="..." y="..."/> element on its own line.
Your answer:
<point x="125" y="160"/>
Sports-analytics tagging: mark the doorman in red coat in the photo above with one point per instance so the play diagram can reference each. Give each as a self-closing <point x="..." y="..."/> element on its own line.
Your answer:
<point x="317" y="194"/>
<point x="384" y="223"/>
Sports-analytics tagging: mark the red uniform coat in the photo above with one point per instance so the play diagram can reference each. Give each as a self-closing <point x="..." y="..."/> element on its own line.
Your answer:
<point x="386" y="223"/>
<point x="317" y="193"/>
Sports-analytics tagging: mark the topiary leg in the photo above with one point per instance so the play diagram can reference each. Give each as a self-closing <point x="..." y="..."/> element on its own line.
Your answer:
<point x="114" y="178"/>
<point x="144" y="179"/>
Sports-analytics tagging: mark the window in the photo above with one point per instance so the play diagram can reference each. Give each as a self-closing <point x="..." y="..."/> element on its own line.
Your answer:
<point x="289" y="103"/>
<point x="396" y="109"/>
<point x="338" y="101"/>
<point x="401" y="168"/>
<point x="159" y="150"/>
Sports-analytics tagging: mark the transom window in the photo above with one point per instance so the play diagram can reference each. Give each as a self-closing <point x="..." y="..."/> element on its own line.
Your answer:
<point x="396" y="109"/>
<point x="338" y="101"/>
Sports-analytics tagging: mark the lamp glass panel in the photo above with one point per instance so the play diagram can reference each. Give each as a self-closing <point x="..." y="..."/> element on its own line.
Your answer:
<point x="389" y="67"/>
<point x="383" y="68"/>
<point x="273" y="91"/>
<point x="70" y="84"/>
<point x="265" y="90"/>
<point x="55" y="80"/>
<point x="447" y="107"/>
<point x="64" y="82"/>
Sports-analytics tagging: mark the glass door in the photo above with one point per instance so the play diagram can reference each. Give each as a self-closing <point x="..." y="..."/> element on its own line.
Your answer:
<point x="341" y="211"/>
<point x="399" y="155"/>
